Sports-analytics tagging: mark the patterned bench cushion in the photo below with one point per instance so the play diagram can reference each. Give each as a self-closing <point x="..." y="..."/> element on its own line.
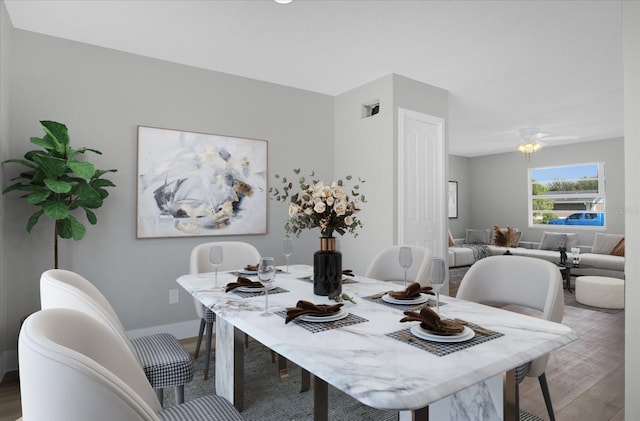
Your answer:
<point x="164" y="360"/>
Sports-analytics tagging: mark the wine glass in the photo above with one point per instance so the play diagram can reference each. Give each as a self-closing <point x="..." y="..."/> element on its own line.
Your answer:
<point x="438" y="272"/>
<point x="287" y="250"/>
<point x="215" y="258"/>
<point x="266" y="276"/>
<point x="405" y="258"/>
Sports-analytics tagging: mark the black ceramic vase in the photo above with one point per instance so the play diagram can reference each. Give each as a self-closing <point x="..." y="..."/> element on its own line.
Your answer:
<point x="327" y="269"/>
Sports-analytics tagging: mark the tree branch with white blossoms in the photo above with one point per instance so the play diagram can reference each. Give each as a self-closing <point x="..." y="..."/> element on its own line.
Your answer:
<point x="311" y="205"/>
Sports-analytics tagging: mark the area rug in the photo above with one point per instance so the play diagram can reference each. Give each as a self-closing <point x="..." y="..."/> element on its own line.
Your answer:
<point x="456" y="275"/>
<point x="270" y="398"/>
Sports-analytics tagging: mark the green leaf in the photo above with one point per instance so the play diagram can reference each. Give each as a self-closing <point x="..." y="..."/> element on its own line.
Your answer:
<point x="82" y="169"/>
<point x="44" y="142"/>
<point x="38" y="197"/>
<point x="57" y="186"/>
<point x="91" y="217"/>
<point x="83" y="150"/>
<point x="23" y="162"/>
<point x="53" y="167"/>
<point x="19" y="186"/>
<point x="100" y="173"/>
<point x="33" y="220"/>
<point x="101" y="182"/>
<point x="58" y="132"/>
<point x="296" y="170"/>
<point x="56" y="210"/>
<point x="71" y="228"/>
<point x="348" y="177"/>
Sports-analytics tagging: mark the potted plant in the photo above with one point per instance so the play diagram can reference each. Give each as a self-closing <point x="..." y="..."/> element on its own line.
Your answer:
<point x="58" y="183"/>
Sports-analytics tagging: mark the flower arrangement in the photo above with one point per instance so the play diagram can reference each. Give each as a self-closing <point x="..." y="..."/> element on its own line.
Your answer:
<point x="328" y="207"/>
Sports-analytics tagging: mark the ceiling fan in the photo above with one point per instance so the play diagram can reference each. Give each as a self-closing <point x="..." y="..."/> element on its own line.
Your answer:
<point x="532" y="138"/>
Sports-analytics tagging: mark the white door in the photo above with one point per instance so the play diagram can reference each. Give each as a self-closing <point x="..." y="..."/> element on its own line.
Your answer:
<point x="421" y="182"/>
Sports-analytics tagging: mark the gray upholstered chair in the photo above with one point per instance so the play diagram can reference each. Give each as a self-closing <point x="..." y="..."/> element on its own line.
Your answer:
<point x="73" y="367"/>
<point x="236" y="255"/>
<point x="162" y="357"/>
<point x="523" y="281"/>
<point x="385" y="266"/>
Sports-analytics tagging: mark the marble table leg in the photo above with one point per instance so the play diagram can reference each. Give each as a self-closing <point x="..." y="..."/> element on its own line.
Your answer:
<point x="305" y="380"/>
<point x="320" y="399"/>
<point x="230" y="363"/>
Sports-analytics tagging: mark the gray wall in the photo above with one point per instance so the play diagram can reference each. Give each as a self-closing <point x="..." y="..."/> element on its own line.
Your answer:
<point x="367" y="147"/>
<point x="459" y="170"/>
<point x="102" y="95"/>
<point x="5" y="43"/>
<point x="498" y="186"/>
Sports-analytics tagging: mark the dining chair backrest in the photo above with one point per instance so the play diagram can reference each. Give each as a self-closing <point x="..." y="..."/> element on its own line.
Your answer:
<point x="523" y="281"/>
<point x="61" y="288"/>
<point x="235" y="255"/>
<point x="385" y="266"/>
<point x="73" y="368"/>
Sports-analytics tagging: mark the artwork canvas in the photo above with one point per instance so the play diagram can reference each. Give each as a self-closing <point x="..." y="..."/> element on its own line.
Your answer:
<point x="196" y="184"/>
<point x="453" y="199"/>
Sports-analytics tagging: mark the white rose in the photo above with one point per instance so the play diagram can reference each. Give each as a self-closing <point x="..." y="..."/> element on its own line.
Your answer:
<point x="348" y="220"/>
<point x="330" y="201"/>
<point x="338" y="193"/>
<point x="320" y="207"/>
<point x="308" y="211"/>
<point x="341" y="208"/>
<point x="293" y="210"/>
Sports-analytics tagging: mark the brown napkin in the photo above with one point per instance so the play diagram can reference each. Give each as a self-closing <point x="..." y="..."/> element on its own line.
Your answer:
<point x="306" y="307"/>
<point x="251" y="268"/>
<point x="430" y="320"/>
<point x="412" y="290"/>
<point x="348" y="272"/>
<point x="243" y="282"/>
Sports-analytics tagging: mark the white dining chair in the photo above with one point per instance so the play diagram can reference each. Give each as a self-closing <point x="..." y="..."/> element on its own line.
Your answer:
<point x="236" y="255"/>
<point x="75" y="368"/>
<point x="162" y="357"/>
<point x="385" y="266"/>
<point x="522" y="281"/>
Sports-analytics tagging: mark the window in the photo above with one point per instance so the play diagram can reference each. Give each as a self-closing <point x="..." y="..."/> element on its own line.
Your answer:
<point x="568" y="195"/>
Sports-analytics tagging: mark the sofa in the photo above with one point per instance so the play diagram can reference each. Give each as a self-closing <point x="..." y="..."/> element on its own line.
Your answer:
<point x="598" y="259"/>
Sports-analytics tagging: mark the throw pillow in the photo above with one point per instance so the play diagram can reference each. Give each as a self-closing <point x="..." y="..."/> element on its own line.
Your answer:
<point x="618" y="249"/>
<point x="552" y="241"/>
<point x="572" y="241"/>
<point x="506" y="237"/>
<point x="475" y="236"/>
<point x="604" y="243"/>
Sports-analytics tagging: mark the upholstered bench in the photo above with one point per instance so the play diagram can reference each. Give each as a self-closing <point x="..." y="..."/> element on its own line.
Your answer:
<point x="600" y="291"/>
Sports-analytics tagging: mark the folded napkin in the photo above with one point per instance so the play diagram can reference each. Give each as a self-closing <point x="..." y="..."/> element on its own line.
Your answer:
<point x="430" y="320"/>
<point x="251" y="268"/>
<point x="348" y="272"/>
<point x="243" y="282"/>
<point x="412" y="290"/>
<point x="306" y="307"/>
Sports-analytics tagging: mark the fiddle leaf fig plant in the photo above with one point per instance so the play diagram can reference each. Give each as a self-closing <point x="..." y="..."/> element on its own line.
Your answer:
<point x="57" y="182"/>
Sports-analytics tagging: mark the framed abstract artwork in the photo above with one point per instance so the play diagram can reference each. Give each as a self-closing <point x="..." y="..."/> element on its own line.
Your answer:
<point x="453" y="199"/>
<point x="197" y="184"/>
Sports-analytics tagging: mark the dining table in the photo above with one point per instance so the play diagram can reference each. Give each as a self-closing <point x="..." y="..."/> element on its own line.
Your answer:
<point x="366" y="351"/>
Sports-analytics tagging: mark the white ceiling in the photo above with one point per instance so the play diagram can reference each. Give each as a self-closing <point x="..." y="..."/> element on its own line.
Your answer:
<point x="555" y="65"/>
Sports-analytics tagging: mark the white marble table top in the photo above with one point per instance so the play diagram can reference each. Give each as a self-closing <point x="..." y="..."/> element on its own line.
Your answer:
<point x="360" y="360"/>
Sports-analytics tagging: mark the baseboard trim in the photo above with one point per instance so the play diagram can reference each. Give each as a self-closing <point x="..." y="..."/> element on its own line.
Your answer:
<point x="181" y="330"/>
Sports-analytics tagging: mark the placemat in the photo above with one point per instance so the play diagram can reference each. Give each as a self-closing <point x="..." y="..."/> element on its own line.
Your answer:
<point x="315" y="327"/>
<point x="245" y="294"/>
<point x="405" y="307"/>
<point x="441" y="348"/>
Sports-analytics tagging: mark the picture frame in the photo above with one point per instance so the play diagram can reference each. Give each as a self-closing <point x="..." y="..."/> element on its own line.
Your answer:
<point x="198" y="184"/>
<point x="453" y="200"/>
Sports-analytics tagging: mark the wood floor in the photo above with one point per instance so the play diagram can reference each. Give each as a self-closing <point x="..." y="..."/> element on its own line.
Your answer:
<point x="586" y="378"/>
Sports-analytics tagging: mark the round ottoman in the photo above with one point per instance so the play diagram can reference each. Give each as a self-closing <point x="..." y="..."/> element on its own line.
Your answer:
<point x="600" y="291"/>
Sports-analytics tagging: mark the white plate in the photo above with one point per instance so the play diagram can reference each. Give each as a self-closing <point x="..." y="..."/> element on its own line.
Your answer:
<point x="249" y="289"/>
<point x="423" y="298"/>
<point x="331" y="318"/>
<point x="424" y="334"/>
<point x="248" y="272"/>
